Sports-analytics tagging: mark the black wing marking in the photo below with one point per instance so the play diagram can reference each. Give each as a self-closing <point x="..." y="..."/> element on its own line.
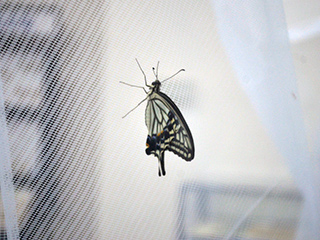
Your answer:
<point x="167" y="130"/>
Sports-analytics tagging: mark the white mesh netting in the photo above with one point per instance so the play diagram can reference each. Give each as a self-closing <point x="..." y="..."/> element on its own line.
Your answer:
<point x="73" y="168"/>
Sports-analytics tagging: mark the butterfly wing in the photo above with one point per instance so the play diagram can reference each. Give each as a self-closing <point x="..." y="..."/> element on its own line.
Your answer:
<point x="167" y="130"/>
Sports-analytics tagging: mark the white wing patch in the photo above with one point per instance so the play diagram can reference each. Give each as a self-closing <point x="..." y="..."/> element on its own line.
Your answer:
<point x="156" y="116"/>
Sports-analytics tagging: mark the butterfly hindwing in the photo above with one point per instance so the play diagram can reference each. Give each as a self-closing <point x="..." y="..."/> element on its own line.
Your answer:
<point x="167" y="130"/>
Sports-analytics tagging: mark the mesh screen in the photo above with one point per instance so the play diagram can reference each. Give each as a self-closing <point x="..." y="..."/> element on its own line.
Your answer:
<point x="79" y="170"/>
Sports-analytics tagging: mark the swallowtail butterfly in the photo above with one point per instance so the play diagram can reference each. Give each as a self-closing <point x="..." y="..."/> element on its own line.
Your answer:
<point x="167" y="129"/>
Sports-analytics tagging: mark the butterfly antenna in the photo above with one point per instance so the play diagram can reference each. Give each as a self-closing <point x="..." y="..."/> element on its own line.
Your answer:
<point x="145" y="77"/>
<point x="181" y="70"/>
<point x="136" y="106"/>
<point x="157" y="69"/>
<point x="156" y="72"/>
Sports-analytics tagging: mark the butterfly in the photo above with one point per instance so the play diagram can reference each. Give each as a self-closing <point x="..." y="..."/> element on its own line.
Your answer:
<point x="167" y="128"/>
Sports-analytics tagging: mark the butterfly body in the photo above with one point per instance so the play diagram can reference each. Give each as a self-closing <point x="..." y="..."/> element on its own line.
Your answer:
<point x="167" y="128"/>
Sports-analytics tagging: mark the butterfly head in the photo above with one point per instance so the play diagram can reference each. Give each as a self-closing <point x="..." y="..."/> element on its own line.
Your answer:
<point x="155" y="86"/>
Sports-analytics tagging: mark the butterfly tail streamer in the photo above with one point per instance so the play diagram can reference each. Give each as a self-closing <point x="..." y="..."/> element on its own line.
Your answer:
<point x="162" y="171"/>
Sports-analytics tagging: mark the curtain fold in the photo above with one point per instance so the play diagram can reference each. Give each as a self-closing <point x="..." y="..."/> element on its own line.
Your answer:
<point x="255" y="36"/>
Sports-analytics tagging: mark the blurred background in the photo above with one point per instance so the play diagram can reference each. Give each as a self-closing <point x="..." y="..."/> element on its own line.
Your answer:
<point x="80" y="170"/>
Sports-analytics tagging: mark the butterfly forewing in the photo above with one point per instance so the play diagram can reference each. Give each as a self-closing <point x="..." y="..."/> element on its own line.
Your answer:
<point x="156" y="116"/>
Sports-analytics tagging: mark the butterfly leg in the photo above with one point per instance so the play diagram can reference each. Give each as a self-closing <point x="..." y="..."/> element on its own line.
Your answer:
<point x="134" y="86"/>
<point x="136" y="106"/>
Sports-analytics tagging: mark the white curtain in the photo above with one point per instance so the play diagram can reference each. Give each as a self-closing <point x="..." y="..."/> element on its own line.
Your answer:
<point x="72" y="168"/>
<point x="256" y="38"/>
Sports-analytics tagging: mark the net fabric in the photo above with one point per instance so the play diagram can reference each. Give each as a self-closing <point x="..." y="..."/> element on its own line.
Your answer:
<point x="80" y="171"/>
<point x="52" y="144"/>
